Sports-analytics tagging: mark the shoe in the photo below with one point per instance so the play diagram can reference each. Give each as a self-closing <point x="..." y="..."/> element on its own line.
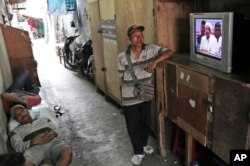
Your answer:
<point x="148" y="149"/>
<point x="137" y="158"/>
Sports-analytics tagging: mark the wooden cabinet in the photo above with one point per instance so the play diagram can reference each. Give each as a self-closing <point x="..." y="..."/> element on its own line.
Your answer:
<point x="211" y="106"/>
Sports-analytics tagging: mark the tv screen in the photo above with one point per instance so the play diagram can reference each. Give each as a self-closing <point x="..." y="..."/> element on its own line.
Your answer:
<point x="211" y="39"/>
<point x="208" y="34"/>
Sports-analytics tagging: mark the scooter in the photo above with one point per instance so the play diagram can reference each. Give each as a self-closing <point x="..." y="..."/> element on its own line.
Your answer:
<point x="77" y="56"/>
<point x="85" y="52"/>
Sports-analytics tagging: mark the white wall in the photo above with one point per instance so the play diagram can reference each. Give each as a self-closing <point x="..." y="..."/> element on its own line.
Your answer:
<point x="3" y="122"/>
<point x="5" y="81"/>
<point x="4" y="64"/>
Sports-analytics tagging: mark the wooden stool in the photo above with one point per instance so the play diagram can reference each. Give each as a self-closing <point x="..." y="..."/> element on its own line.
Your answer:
<point x="60" y="51"/>
<point x="177" y="149"/>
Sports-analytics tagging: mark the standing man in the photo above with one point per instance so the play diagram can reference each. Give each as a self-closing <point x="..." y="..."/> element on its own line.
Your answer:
<point x="144" y="58"/>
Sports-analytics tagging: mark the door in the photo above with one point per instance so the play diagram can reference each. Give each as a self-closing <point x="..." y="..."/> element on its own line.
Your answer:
<point x="107" y="15"/>
<point x="95" y="26"/>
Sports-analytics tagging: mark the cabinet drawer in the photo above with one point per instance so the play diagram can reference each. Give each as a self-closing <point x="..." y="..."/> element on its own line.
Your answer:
<point x="193" y="79"/>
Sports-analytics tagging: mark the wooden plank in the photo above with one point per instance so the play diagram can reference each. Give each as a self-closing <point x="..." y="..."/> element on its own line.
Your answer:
<point x="160" y="89"/>
<point x="172" y="24"/>
<point x="188" y="149"/>
<point x="192" y="131"/>
<point x="134" y="12"/>
<point x="171" y="91"/>
<point x="162" y="134"/>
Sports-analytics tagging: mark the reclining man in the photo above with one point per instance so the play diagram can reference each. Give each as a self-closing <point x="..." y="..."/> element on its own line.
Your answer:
<point x="37" y="139"/>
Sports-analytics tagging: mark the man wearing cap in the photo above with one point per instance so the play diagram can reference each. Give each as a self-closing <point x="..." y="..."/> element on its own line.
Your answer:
<point x="208" y="41"/>
<point x="144" y="58"/>
<point x="37" y="139"/>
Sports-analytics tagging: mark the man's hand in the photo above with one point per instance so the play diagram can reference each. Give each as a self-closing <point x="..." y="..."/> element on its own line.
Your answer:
<point x="43" y="138"/>
<point x="27" y="105"/>
<point x="151" y="67"/>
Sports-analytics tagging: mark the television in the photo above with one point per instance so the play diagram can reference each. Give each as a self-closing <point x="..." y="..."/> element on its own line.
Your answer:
<point x="212" y="39"/>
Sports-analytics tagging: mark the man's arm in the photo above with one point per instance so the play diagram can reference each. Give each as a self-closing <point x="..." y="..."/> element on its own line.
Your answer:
<point x="17" y="142"/>
<point x="165" y="55"/>
<point x="12" y="98"/>
<point x="43" y="138"/>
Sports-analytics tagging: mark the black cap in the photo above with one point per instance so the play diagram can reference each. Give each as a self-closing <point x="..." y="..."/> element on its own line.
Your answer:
<point x="132" y="28"/>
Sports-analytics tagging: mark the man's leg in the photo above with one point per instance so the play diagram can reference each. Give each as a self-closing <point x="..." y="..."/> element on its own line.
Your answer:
<point x="23" y="80"/>
<point x="146" y="121"/>
<point x="34" y="155"/>
<point x="59" y="152"/>
<point x="65" y="157"/>
<point x="132" y="117"/>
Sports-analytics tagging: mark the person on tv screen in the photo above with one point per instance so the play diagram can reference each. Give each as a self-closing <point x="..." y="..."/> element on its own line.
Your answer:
<point x="208" y="41"/>
<point x="218" y="36"/>
<point x="202" y="29"/>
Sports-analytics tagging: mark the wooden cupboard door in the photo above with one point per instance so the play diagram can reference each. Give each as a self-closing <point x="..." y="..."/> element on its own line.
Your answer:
<point x="192" y="113"/>
<point x="95" y="25"/>
<point x="107" y="15"/>
<point x="231" y="128"/>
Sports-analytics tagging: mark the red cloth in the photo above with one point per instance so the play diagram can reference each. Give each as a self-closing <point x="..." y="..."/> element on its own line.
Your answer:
<point x="33" y="100"/>
<point x="32" y="23"/>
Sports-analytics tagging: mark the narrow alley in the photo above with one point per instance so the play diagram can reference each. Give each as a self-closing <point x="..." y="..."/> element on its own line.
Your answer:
<point x="94" y="127"/>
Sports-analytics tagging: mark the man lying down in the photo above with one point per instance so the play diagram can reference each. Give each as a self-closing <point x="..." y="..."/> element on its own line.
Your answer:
<point x="37" y="139"/>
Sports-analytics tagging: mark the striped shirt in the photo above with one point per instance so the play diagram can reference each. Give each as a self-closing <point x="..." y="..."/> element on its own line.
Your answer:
<point x="20" y="136"/>
<point x="148" y="54"/>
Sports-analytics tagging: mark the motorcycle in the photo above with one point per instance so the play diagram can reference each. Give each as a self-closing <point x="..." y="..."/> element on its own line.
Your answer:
<point x="79" y="56"/>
